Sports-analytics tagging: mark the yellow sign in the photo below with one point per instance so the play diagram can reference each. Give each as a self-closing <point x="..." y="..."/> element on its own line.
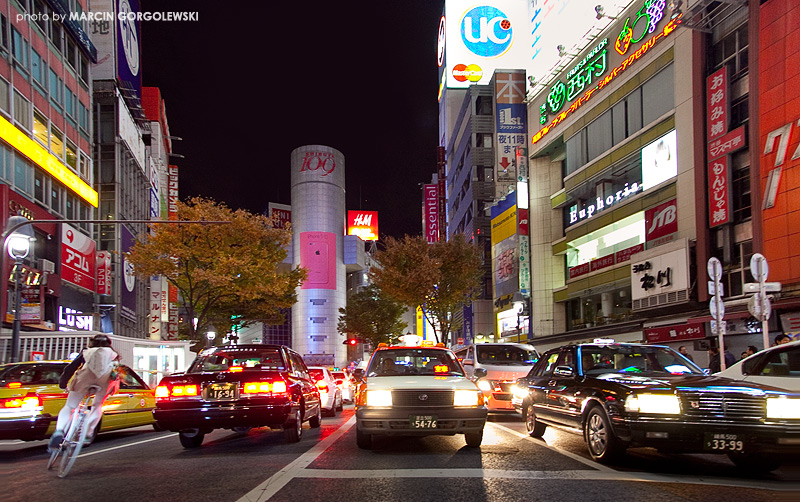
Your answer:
<point x="41" y="157"/>
<point x="504" y="225"/>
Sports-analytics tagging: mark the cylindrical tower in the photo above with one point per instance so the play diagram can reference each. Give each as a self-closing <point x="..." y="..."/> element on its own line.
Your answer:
<point x="318" y="227"/>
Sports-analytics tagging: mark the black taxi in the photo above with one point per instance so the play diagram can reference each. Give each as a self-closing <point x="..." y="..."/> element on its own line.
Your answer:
<point x="619" y="395"/>
<point x="417" y="391"/>
<point x="239" y="387"/>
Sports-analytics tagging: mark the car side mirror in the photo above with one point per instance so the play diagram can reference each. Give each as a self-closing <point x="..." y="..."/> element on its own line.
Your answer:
<point x="480" y="373"/>
<point x="564" y="371"/>
<point x="358" y="374"/>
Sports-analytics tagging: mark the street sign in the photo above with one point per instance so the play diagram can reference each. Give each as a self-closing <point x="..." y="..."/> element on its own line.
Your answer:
<point x="721" y="326"/>
<point x="714" y="268"/>
<point x="759" y="267"/>
<point x="712" y="288"/>
<point x="718" y="315"/>
<point x="754" y="287"/>
<point x="759" y="306"/>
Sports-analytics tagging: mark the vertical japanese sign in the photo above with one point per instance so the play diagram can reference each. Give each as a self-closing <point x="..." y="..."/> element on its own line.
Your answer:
<point x="172" y="291"/>
<point x="717" y="103"/>
<point x="154" y="302"/>
<point x="431" y="213"/>
<point x="103" y="273"/>
<point x="172" y="327"/>
<point x="719" y="193"/>
<point x="77" y="258"/>
<point x="128" y="279"/>
<point x="442" y="181"/>
<point x="172" y="192"/>
<point x="524" y="253"/>
<point x="511" y="125"/>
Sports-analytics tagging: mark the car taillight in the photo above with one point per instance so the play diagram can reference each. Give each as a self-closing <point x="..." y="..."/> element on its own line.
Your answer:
<point x="164" y="392"/>
<point x="323" y="387"/>
<point x="27" y="402"/>
<point x="235" y="369"/>
<point x="14" y="385"/>
<point x="277" y="387"/>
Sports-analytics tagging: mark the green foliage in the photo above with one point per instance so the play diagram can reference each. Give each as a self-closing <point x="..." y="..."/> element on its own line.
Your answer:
<point x="220" y="270"/>
<point x="372" y="315"/>
<point x="441" y="276"/>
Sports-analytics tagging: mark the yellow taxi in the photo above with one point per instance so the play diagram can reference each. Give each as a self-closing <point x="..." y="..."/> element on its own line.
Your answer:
<point x="30" y="400"/>
<point x="417" y="391"/>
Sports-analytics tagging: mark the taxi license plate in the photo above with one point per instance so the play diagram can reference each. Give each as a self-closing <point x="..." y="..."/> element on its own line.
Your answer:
<point x="222" y="391"/>
<point x="422" y="421"/>
<point x="724" y="442"/>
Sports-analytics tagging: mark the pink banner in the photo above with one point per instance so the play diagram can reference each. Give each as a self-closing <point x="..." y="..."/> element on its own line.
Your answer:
<point x="318" y="257"/>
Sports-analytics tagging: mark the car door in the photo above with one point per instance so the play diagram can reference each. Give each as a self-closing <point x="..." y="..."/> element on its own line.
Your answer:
<point x="307" y="386"/>
<point x="537" y="384"/>
<point x="562" y="390"/>
<point x="780" y="367"/>
<point x="132" y="405"/>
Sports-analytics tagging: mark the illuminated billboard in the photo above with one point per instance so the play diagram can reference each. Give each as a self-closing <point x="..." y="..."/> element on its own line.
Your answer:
<point x="504" y="246"/>
<point x="660" y="160"/>
<point x="363" y="224"/>
<point x="481" y="37"/>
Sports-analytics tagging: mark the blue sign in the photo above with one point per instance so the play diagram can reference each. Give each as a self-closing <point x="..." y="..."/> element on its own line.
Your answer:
<point x="486" y="31"/>
<point x="511" y="118"/>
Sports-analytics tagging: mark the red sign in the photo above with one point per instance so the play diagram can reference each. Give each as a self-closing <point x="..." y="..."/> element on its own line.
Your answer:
<point x="172" y="192"/>
<point x="363" y="224"/>
<point x="729" y="143"/>
<point x="605" y="261"/>
<point x="522" y="219"/>
<point x="579" y="270"/>
<point x="661" y="220"/>
<point x="280" y="217"/>
<point x="674" y="333"/>
<point x="77" y="258"/>
<point x="717" y="103"/>
<point x="321" y="162"/>
<point x="719" y="192"/>
<point x="103" y="273"/>
<point x="431" y="213"/>
<point x="625" y="254"/>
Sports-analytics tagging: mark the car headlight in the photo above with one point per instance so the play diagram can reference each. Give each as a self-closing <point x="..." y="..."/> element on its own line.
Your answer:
<point x="485" y="385"/>
<point x="783" y="407"/>
<point x="519" y="392"/>
<point x="663" y="404"/>
<point x="466" y="398"/>
<point x="379" y="398"/>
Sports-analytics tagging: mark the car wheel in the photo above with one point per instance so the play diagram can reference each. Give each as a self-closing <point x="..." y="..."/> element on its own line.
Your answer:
<point x="341" y="403"/>
<point x="241" y="430"/>
<point x="157" y="427"/>
<point x="191" y="438"/>
<point x="294" y="429"/>
<point x="316" y="420"/>
<point x="756" y="464"/>
<point x="363" y="440"/>
<point x="474" y="439"/>
<point x="603" y="445"/>
<point x="535" y="428"/>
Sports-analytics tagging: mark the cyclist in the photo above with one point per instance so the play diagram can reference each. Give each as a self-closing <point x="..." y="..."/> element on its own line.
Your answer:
<point x="94" y="366"/>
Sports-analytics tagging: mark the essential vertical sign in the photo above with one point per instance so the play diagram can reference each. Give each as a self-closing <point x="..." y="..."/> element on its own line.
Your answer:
<point x="431" y="213"/>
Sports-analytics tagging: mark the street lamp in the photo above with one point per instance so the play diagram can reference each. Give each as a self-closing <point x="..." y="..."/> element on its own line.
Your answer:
<point x="211" y="335"/>
<point x="518" y="302"/>
<point x="18" y="244"/>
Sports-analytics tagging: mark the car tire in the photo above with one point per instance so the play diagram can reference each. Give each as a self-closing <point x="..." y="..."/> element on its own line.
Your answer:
<point x="363" y="440"/>
<point x="603" y="444"/>
<point x="535" y="428"/>
<point x="157" y="427"/>
<point x="341" y="404"/>
<point x="329" y="413"/>
<point x="294" y="429"/>
<point x="191" y="438"/>
<point x="754" y="463"/>
<point x="474" y="439"/>
<point x="316" y="420"/>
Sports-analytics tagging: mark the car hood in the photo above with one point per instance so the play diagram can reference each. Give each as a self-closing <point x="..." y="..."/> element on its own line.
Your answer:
<point x="688" y="383"/>
<point x="420" y="382"/>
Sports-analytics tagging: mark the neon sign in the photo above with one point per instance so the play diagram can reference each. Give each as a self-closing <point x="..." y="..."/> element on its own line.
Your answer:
<point x="560" y="88"/>
<point x="576" y="215"/>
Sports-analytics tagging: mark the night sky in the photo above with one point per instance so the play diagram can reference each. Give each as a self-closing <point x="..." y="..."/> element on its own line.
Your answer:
<point x="249" y="82"/>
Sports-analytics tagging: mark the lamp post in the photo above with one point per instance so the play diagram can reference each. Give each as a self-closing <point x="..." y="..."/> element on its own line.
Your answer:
<point x="518" y="302"/>
<point x="18" y="244"/>
<point x="211" y="335"/>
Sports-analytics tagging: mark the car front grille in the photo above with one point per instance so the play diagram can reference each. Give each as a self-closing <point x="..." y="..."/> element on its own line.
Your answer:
<point x="422" y="398"/>
<point x="505" y="386"/>
<point x="714" y="405"/>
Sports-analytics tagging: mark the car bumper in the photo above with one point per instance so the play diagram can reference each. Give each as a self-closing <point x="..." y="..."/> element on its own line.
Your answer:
<point x="694" y="437"/>
<point x="387" y="421"/>
<point x="224" y="417"/>
<point x="328" y="401"/>
<point x="499" y="401"/>
<point x="30" y="428"/>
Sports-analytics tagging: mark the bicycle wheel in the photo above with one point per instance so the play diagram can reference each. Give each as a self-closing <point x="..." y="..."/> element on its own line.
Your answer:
<point x="54" y="457"/>
<point x="74" y="441"/>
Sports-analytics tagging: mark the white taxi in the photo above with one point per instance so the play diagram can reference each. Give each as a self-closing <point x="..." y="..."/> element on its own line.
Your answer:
<point x="417" y="391"/>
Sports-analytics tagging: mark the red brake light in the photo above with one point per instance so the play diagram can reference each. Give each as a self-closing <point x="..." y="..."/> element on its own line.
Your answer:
<point x="278" y="387"/>
<point x="27" y="402"/>
<point x="14" y="385"/>
<point x="164" y="391"/>
<point x="235" y="369"/>
<point x="322" y="386"/>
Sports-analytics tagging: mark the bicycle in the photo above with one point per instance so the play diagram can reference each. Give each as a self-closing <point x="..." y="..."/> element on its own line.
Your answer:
<point x="71" y="445"/>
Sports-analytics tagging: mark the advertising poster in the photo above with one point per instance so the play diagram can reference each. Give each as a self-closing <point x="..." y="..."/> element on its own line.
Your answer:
<point x="77" y="258"/>
<point x="128" y="280"/>
<point x="504" y="246"/>
<point x="318" y="257"/>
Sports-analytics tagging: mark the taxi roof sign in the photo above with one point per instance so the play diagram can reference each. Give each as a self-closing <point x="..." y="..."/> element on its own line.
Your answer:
<point x="604" y="340"/>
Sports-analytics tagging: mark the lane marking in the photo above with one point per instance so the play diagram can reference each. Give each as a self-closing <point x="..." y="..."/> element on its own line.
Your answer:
<point x="90" y="453"/>
<point x="277" y="481"/>
<point x="573" y="456"/>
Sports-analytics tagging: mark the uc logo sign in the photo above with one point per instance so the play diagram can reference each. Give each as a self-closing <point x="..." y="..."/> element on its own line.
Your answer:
<point x="486" y="31"/>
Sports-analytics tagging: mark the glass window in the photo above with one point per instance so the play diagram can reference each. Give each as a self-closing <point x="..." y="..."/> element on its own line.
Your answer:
<point x="72" y="53"/>
<point x="72" y="156"/>
<point x="85" y="167"/>
<point x="38" y="69"/>
<point x="618" y="122"/>
<point x="22" y="111"/>
<point x="258" y="358"/>
<point x="84" y="68"/>
<point x="598" y="136"/>
<point x="4" y="31"/>
<point x="576" y="152"/>
<point x="71" y="207"/>
<point x="57" y="142"/>
<point x="57" y="35"/>
<point x="32" y="374"/>
<point x="633" y="105"/>
<point x="56" y="198"/>
<point x="658" y="95"/>
<point x="414" y="361"/>
<point x="5" y="104"/>
<point x="41" y="15"/>
<point x="19" y="48"/>
<point x="23" y="174"/>
<point x="40" y="128"/>
<point x="56" y="89"/>
<point x="39" y="187"/>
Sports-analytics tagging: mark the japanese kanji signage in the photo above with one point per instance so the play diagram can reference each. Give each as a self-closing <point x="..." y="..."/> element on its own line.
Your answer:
<point x="675" y="332"/>
<point x="726" y="144"/>
<point x="77" y="258"/>
<point x="717" y="103"/>
<point x="719" y="192"/>
<point x="103" y="272"/>
<point x="656" y="274"/>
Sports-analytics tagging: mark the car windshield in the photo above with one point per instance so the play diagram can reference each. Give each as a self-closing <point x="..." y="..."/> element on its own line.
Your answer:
<point x="316" y="373"/>
<point x="339" y="376"/>
<point x="634" y="359"/>
<point x="31" y="374"/>
<point x="247" y="358"/>
<point x="506" y="355"/>
<point x="414" y="361"/>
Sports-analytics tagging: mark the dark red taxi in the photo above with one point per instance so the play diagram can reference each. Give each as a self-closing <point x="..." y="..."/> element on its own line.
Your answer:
<point x="239" y="387"/>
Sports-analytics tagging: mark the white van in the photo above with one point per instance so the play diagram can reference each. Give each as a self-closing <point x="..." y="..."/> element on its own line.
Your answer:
<point x="504" y="364"/>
